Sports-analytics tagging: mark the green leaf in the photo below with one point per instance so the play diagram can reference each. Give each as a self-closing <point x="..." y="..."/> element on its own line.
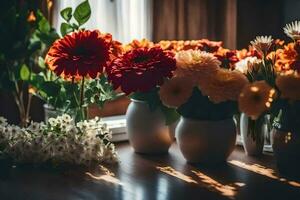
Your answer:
<point x="24" y="72"/>
<point x="150" y="97"/>
<point x="82" y="13"/>
<point x="170" y="114"/>
<point x="65" y="28"/>
<point x="66" y="14"/>
<point x="41" y="62"/>
<point x="37" y="80"/>
<point x="48" y="38"/>
<point x="44" y="25"/>
<point x="75" y="26"/>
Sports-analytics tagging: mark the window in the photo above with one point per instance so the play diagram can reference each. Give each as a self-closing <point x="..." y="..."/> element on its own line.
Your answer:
<point x="125" y="20"/>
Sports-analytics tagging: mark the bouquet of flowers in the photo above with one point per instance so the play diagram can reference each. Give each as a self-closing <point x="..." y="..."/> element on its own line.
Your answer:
<point x="74" y="78"/>
<point x="59" y="141"/>
<point x="202" y="89"/>
<point x="140" y="72"/>
<point x="76" y="64"/>
<point x="274" y="79"/>
<point x="274" y="89"/>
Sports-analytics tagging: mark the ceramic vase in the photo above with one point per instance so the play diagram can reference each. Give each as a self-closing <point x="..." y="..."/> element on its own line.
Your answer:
<point x="253" y="143"/>
<point x="208" y="142"/>
<point x="146" y="128"/>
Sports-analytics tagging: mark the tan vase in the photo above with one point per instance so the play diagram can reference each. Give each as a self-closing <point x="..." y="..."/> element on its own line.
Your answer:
<point x="208" y="142"/>
<point x="146" y="129"/>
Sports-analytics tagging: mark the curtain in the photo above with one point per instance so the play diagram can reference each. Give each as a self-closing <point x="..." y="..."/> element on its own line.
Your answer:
<point x="195" y="19"/>
<point x="265" y="17"/>
<point x="124" y="19"/>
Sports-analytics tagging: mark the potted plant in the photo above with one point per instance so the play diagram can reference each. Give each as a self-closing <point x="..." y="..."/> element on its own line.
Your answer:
<point x="205" y="96"/>
<point x="25" y="35"/>
<point x="280" y="97"/>
<point x="139" y="73"/>
<point x="73" y="73"/>
<point x="258" y="68"/>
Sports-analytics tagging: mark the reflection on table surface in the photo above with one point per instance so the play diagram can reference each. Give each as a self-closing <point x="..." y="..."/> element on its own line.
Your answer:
<point x="143" y="177"/>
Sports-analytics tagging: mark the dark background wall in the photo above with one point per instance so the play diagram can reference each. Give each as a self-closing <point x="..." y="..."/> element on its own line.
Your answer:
<point x="264" y="17"/>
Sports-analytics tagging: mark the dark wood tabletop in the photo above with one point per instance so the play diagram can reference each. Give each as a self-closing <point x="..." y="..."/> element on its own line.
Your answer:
<point x="141" y="177"/>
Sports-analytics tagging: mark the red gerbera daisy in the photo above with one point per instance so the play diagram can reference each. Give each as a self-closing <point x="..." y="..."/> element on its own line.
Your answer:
<point x="83" y="53"/>
<point x="142" y="69"/>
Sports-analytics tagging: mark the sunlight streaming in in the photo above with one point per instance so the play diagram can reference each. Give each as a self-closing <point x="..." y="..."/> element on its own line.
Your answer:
<point x="106" y="175"/>
<point x="262" y="170"/>
<point x="171" y="171"/>
<point x="229" y="190"/>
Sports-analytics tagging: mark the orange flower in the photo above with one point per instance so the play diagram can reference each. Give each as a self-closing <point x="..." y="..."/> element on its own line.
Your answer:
<point x="256" y="98"/>
<point x="176" y="91"/>
<point x="49" y="4"/>
<point x="180" y="45"/>
<point x="117" y="49"/>
<point x="279" y="42"/>
<point x="288" y="58"/>
<point x="289" y="86"/>
<point x="135" y="44"/>
<point x="225" y="85"/>
<point x="196" y="65"/>
<point x="32" y="90"/>
<point x="227" y="57"/>
<point x="31" y="17"/>
<point x="241" y="54"/>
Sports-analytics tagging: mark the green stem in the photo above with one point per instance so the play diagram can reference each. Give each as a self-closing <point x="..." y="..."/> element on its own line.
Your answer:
<point x="82" y="92"/>
<point x="82" y="99"/>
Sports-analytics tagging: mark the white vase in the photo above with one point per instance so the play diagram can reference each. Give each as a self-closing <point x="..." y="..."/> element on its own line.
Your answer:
<point x="252" y="147"/>
<point x="208" y="142"/>
<point x="147" y="132"/>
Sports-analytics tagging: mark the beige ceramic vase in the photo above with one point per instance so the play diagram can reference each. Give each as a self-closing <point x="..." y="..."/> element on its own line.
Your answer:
<point x="208" y="142"/>
<point x="146" y="129"/>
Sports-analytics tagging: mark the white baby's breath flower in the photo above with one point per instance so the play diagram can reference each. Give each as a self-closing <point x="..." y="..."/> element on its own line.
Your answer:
<point x="92" y="124"/>
<point x="262" y="43"/>
<point x="66" y="118"/>
<point x="2" y="135"/>
<point x="3" y="121"/>
<point x="34" y="127"/>
<point x="73" y="131"/>
<point x="53" y="122"/>
<point x="16" y="131"/>
<point x="292" y="30"/>
<point x="59" y="141"/>
<point x="83" y="125"/>
<point x="64" y="127"/>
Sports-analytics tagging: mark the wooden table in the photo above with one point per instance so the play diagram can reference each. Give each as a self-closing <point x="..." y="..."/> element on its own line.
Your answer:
<point x="143" y="177"/>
